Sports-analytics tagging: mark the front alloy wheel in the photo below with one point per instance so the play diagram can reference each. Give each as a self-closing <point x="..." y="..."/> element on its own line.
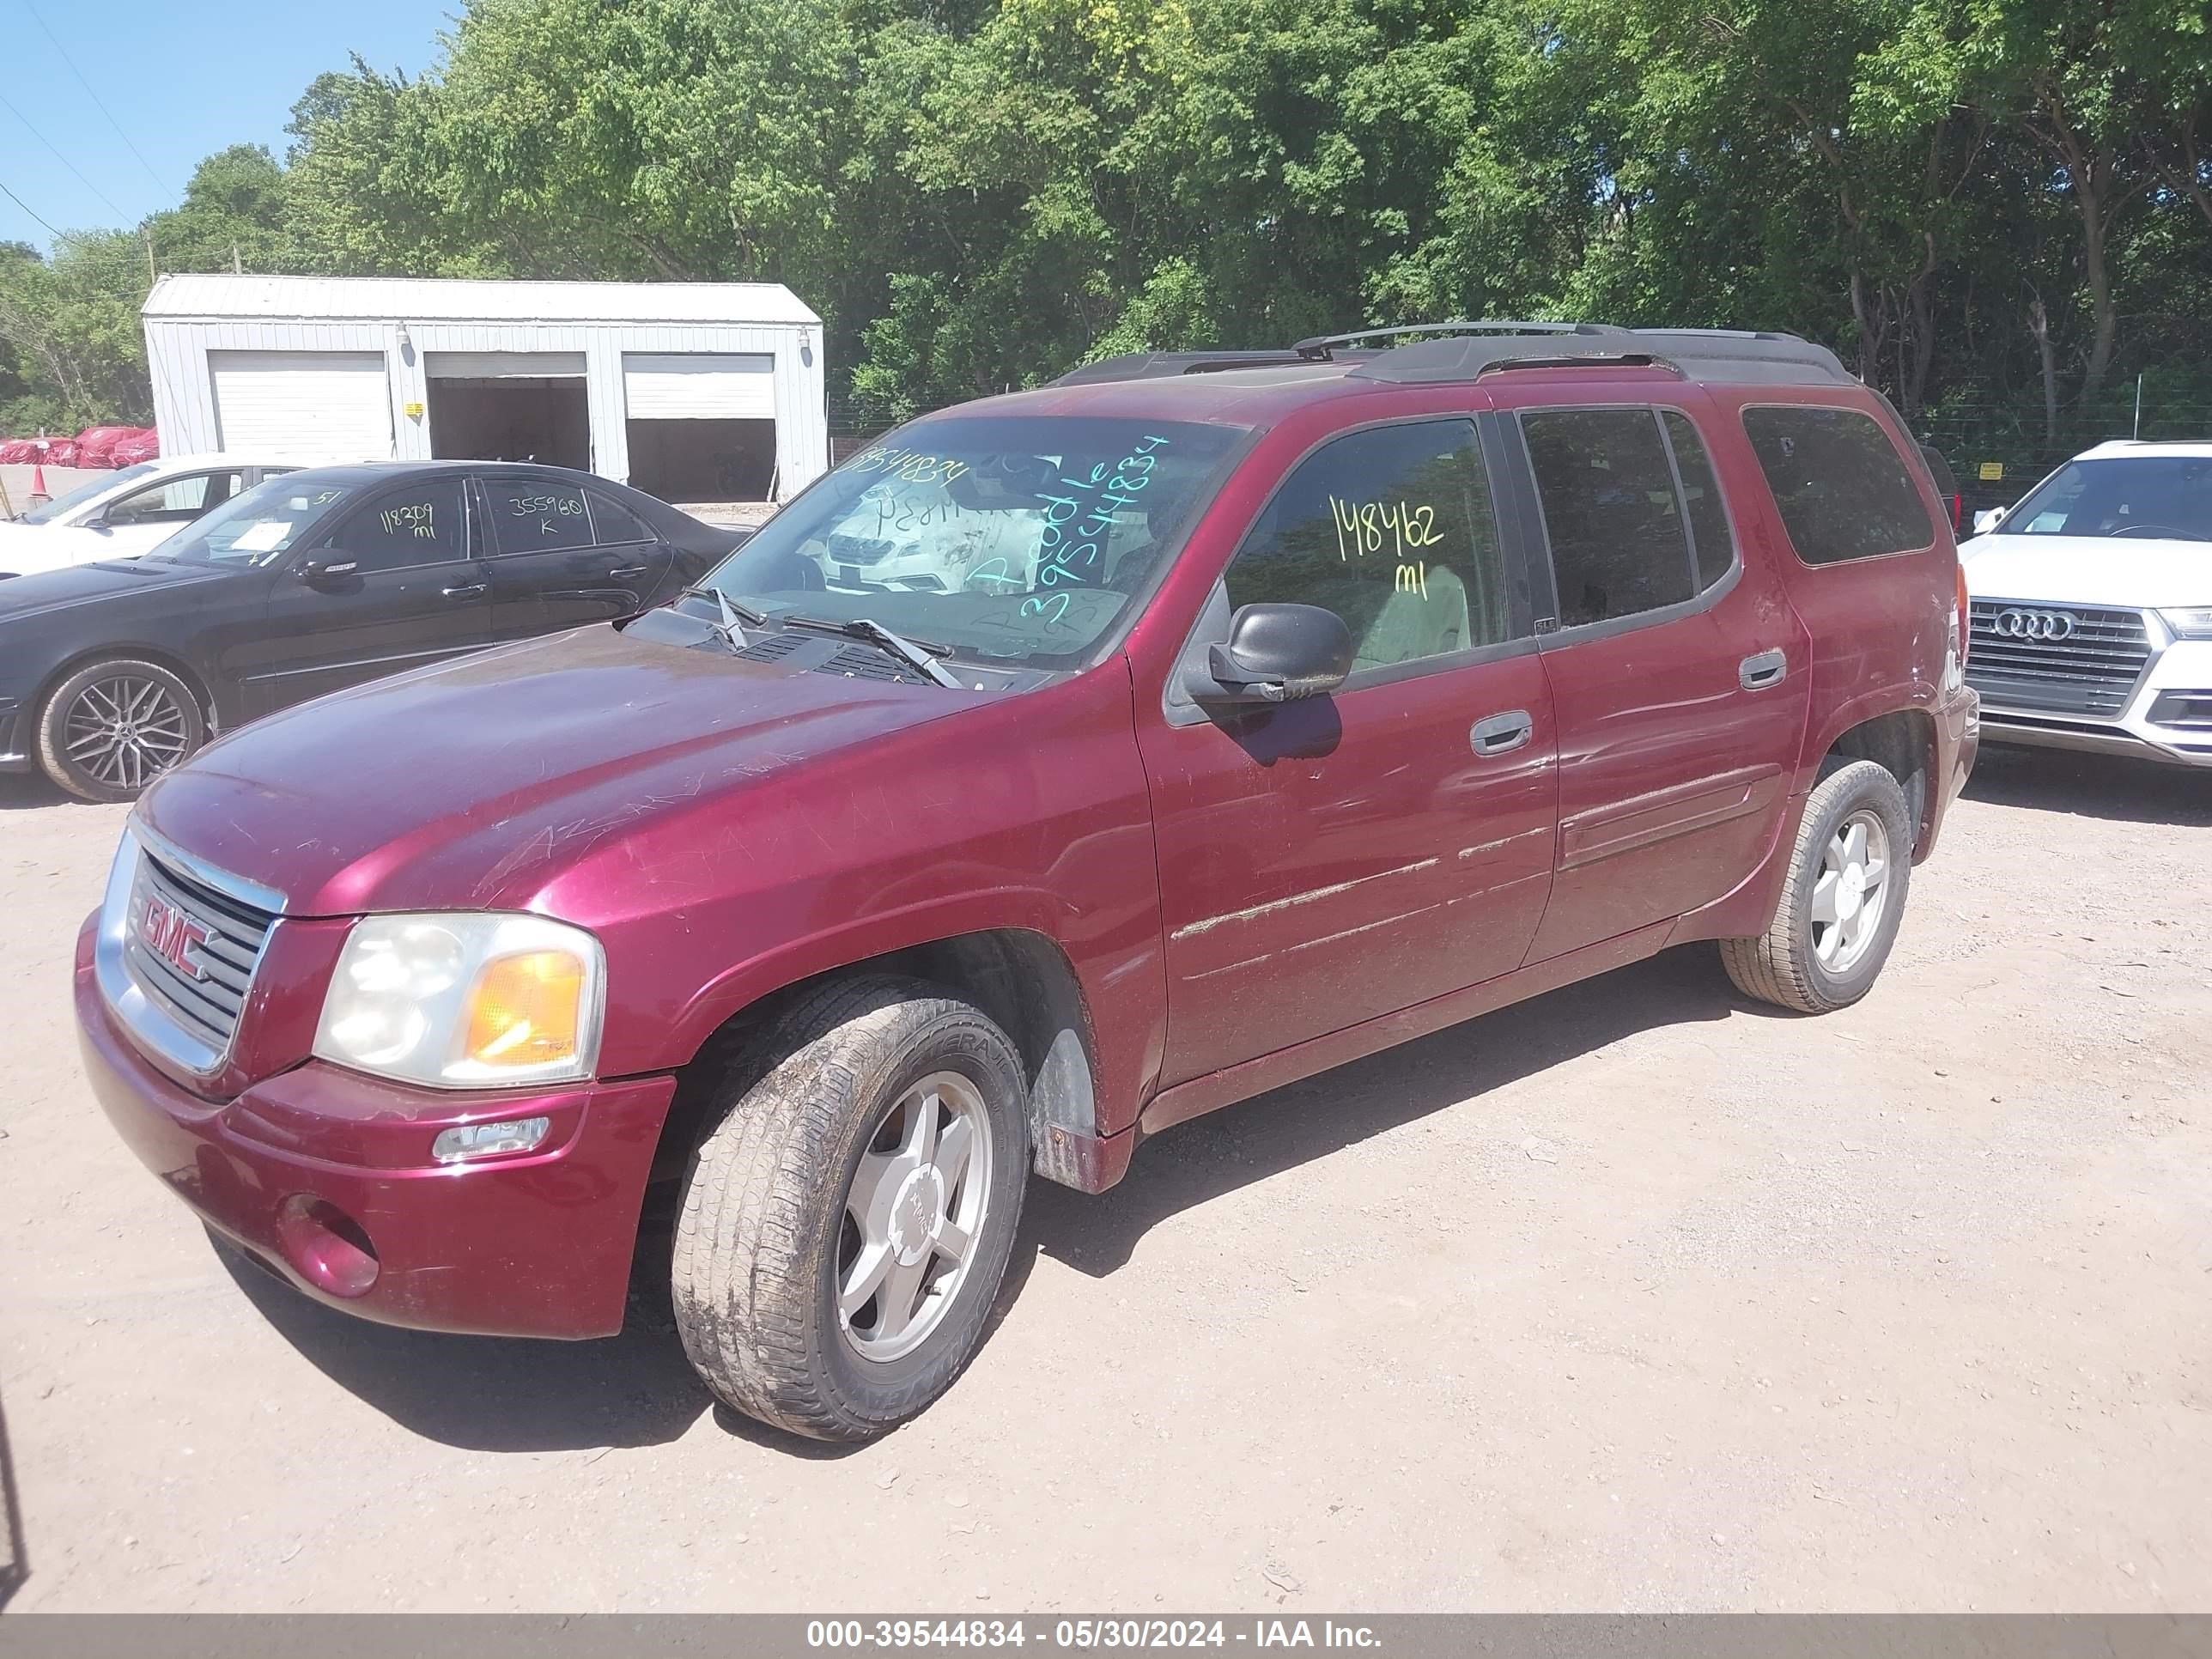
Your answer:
<point x="113" y="728"/>
<point x="917" y="1203"/>
<point x="848" y="1216"/>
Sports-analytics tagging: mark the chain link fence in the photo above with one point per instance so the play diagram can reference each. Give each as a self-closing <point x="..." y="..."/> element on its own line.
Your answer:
<point x="1999" y="448"/>
<point x="852" y="429"/>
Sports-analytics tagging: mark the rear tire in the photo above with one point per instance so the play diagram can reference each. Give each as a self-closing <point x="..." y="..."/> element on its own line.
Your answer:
<point x="114" y="726"/>
<point x="1841" y="901"/>
<point x="846" y="1222"/>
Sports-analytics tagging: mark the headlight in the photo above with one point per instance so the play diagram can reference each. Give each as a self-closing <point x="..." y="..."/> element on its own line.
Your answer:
<point x="2189" y="624"/>
<point x="460" y="1001"/>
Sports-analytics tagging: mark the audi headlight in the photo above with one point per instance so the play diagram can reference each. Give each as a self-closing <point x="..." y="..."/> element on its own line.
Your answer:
<point x="2189" y="624"/>
<point x="463" y="1001"/>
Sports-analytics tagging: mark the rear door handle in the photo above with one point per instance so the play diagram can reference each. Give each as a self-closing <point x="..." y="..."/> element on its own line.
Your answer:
<point x="1500" y="734"/>
<point x="1756" y="673"/>
<point x="622" y="572"/>
<point x="466" y="590"/>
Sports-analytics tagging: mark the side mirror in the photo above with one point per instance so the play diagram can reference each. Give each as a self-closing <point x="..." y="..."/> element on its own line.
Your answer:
<point x="328" y="569"/>
<point x="1275" y="654"/>
<point x="1988" y="519"/>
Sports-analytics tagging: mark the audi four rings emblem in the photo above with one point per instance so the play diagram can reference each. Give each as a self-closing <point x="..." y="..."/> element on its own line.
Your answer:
<point x="2017" y="625"/>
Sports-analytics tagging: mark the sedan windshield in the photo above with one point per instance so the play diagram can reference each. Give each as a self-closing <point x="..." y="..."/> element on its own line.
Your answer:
<point x="1019" y="539"/>
<point x="61" y="506"/>
<point x="255" y="528"/>
<point x="2147" y="496"/>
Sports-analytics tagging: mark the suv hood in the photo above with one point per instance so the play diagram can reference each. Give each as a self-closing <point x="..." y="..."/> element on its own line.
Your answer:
<point x="472" y="784"/>
<point x="2125" y="571"/>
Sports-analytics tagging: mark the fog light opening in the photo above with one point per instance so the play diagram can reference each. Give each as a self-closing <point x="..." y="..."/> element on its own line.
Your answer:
<point x="327" y="1246"/>
<point x="476" y="1140"/>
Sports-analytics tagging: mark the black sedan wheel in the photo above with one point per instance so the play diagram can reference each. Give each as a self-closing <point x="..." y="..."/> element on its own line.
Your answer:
<point x="113" y="727"/>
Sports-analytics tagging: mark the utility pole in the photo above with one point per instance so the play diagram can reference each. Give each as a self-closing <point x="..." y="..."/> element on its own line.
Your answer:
<point x="237" y="266"/>
<point x="151" y="276"/>
<point x="2138" y="408"/>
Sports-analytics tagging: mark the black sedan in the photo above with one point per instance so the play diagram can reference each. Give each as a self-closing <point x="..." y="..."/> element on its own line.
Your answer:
<point x="112" y="673"/>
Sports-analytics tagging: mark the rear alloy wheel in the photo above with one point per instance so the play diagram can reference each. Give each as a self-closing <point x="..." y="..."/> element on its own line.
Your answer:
<point x="1841" y="901"/>
<point x="847" y="1219"/>
<point x="113" y="727"/>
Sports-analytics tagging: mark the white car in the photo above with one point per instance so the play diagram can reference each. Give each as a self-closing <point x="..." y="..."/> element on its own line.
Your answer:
<point x="2092" y="606"/>
<point x="119" y="515"/>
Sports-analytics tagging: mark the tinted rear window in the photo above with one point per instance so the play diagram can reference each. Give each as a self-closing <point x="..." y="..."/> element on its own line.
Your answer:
<point x="1610" y="512"/>
<point x="1843" y="488"/>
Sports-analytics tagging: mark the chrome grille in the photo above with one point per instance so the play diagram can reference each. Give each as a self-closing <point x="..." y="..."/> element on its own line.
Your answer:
<point x="2090" y="672"/>
<point x="208" y="1007"/>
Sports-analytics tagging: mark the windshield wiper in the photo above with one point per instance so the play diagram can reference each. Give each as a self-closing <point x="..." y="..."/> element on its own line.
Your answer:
<point x="922" y="654"/>
<point x="732" y="613"/>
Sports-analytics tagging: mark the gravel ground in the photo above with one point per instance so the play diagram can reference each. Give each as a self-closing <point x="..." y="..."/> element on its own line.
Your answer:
<point x="1632" y="1297"/>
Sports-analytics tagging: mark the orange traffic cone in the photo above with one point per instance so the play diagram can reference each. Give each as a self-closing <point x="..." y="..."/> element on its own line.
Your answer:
<point x="38" y="482"/>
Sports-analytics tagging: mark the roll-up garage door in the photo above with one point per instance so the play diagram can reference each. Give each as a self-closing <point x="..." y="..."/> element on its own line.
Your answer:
<point x="302" y="405"/>
<point x="503" y="365"/>
<point x="700" y="387"/>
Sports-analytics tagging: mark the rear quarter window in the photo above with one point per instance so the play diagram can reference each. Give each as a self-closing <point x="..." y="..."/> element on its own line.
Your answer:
<point x="1843" y="491"/>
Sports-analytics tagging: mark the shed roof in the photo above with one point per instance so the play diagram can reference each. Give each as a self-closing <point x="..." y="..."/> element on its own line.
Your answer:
<point x="435" y="299"/>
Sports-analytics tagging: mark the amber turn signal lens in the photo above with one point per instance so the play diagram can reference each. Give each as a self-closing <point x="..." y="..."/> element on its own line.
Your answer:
<point x="524" y="1010"/>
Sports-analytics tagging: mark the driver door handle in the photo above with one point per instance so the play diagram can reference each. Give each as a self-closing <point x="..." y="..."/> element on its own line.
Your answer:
<point x="1501" y="734"/>
<point x="623" y="571"/>
<point x="1757" y="673"/>
<point x="466" y="590"/>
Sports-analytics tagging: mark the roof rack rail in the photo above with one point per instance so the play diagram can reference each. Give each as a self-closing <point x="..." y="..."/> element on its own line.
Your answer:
<point x="1734" y="355"/>
<point x="1158" y="365"/>
<point x="1318" y="349"/>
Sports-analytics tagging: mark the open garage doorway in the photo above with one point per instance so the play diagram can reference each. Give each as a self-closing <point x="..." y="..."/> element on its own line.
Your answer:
<point x="704" y="460"/>
<point x="701" y="424"/>
<point x="509" y="406"/>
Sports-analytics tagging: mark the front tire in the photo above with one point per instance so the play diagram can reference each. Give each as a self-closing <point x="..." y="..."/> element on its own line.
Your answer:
<point x="846" y="1222"/>
<point x="1840" y="906"/>
<point x="113" y="726"/>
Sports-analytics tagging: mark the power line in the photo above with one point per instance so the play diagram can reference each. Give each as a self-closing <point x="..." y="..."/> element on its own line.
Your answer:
<point x="94" y="96"/>
<point x="27" y="208"/>
<point x="63" y="159"/>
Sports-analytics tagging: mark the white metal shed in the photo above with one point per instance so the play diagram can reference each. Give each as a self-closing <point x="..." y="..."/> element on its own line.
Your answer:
<point x="696" y="392"/>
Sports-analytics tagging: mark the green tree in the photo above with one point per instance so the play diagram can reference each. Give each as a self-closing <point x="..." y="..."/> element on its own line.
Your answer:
<point x="236" y="214"/>
<point x="72" y="324"/>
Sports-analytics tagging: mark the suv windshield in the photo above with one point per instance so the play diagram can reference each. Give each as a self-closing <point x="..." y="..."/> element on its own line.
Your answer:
<point x="254" y="528"/>
<point x="48" y="512"/>
<point x="2144" y="495"/>
<point x="1019" y="539"/>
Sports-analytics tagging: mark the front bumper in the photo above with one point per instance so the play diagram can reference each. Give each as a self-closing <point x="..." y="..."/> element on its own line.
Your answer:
<point x="15" y="735"/>
<point x="2098" y="737"/>
<point x="2163" y="719"/>
<point x="326" y="1175"/>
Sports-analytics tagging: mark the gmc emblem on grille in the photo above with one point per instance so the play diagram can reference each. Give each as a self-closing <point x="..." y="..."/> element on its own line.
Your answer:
<point x="2019" y="624"/>
<point x="171" y="934"/>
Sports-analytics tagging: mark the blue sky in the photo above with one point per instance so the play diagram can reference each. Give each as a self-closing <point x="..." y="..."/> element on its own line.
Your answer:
<point x="182" y="80"/>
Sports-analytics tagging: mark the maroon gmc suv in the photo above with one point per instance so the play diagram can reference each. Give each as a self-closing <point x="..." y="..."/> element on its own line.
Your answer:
<point x="1063" y="766"/>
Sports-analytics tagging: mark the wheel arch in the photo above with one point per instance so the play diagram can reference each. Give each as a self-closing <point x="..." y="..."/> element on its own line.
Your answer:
<point x="1022" y="979"/>
<point x="1902" y="741"/>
